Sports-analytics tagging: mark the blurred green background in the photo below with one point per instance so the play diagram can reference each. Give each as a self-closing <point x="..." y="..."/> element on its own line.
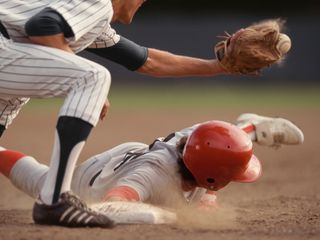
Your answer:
<point x="202" y="97"/>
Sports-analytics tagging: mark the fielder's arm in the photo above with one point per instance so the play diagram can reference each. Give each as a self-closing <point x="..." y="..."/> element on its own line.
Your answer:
<point x="208" y="201"/>
<point x="154" y="62"/>
<point x="165" y="64"/>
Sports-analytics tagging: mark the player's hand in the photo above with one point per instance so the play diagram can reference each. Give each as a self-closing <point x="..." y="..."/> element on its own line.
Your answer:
<point x="208" y="201"/>
<point x="54" y="41"/>
<point x="105" y="109"/>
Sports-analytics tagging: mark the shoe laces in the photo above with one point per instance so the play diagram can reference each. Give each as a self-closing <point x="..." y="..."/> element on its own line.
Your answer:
<point x="78" y="203"/>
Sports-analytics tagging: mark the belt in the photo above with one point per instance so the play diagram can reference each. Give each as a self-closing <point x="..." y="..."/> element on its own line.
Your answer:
<point x="4" y="31"/>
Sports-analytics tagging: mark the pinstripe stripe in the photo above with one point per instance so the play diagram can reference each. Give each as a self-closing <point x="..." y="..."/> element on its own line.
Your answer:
<point x="71" y="99"/>
<point x="39" y="8"/>
<point x="32" y="93"/>
<point x="62" y="2"/>
<point x="99" y="14"/>
<point x="89" y="98"/>
<point x="83" y="10"/>
<point x="46" y="67"/>
<point x="81" y="94"/>
<point x="28" y="83"/>
<point x="87" y="26"/>
<point x="37" y="48"/>
<point x="38" y="75"/>
<point x="99" y="94"/>
<point x="39" y="88"/>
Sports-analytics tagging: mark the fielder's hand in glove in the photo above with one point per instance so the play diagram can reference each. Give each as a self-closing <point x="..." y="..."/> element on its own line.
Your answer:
<point x="250" y="49"/>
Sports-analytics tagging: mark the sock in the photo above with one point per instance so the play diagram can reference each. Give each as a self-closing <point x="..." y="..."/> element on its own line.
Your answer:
<point x="8" y="159"/>
<point x="250" y="129"/>
<point x="71" y="134"/>
<point x="28" y="175"/>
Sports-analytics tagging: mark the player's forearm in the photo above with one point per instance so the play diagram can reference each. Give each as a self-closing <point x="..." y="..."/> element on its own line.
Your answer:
<point x="122" y="193"/>
<point x="165" y="64"/>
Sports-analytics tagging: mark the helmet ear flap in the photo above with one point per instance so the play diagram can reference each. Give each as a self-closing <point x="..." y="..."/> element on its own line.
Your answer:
<point x="211" y="180"/>
<point x="181" y="146"/>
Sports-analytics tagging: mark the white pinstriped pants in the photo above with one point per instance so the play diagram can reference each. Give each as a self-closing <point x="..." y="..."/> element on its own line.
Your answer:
<point x="33" y="71"/>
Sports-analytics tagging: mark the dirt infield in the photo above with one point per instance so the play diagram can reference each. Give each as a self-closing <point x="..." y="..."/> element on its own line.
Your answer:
<point x="283" y="204"/>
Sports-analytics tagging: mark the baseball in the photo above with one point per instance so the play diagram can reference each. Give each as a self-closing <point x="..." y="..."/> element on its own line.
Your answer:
<point x="284" y="43"/>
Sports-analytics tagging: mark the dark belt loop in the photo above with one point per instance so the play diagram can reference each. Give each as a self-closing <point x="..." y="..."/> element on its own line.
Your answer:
<point x="4" y="31"/>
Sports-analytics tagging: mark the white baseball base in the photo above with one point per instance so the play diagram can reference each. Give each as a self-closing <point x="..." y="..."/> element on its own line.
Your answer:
<point x="135" y="213"/>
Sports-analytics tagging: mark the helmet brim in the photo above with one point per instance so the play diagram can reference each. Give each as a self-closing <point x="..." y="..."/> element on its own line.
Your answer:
<point x="252" y="173"/>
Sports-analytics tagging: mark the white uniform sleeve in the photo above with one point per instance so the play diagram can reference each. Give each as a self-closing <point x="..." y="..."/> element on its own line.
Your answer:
<point x="83" y="16"/>
<point x="106" y="39"/>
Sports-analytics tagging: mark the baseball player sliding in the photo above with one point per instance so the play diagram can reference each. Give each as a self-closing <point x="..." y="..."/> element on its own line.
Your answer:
<point x="189" y="165"/>
<point x="38" y="43"/>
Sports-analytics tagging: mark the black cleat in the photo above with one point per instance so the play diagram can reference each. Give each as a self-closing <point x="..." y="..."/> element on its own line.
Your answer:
<point x="69" y="211"/>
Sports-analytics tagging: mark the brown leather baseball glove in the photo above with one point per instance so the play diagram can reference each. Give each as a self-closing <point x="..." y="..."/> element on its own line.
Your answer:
<point x="250" y="49"/>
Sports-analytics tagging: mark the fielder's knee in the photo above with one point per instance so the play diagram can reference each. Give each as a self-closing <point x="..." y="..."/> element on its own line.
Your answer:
<point x="105" y="76"/>
<point x="100" y="77"/>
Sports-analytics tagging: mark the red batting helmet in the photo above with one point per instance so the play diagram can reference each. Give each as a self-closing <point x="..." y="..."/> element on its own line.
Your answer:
<point x="217" y="153"/>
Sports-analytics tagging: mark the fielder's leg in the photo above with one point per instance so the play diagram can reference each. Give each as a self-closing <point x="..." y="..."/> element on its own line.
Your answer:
<point x="23" y="171"/>
<point x="43" y="72"/>
<point x="70" y="137"/>
<point x="57" y="205"/>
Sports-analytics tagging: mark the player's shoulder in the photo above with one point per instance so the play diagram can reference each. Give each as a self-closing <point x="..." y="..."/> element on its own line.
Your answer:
<point x="160" y="159"/>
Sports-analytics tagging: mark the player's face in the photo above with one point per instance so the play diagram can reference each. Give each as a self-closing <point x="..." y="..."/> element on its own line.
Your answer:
<point x="127" y="10"/>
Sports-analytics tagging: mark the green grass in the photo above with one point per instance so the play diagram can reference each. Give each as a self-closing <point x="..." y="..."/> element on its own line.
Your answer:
<point x="201" y="97"/>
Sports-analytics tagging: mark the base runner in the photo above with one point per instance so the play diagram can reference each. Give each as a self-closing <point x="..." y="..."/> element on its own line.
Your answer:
<point x="188" y="166"/>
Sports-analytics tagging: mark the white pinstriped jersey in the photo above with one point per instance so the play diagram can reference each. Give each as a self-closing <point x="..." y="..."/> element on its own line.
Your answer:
<point x="89" y="20"/>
